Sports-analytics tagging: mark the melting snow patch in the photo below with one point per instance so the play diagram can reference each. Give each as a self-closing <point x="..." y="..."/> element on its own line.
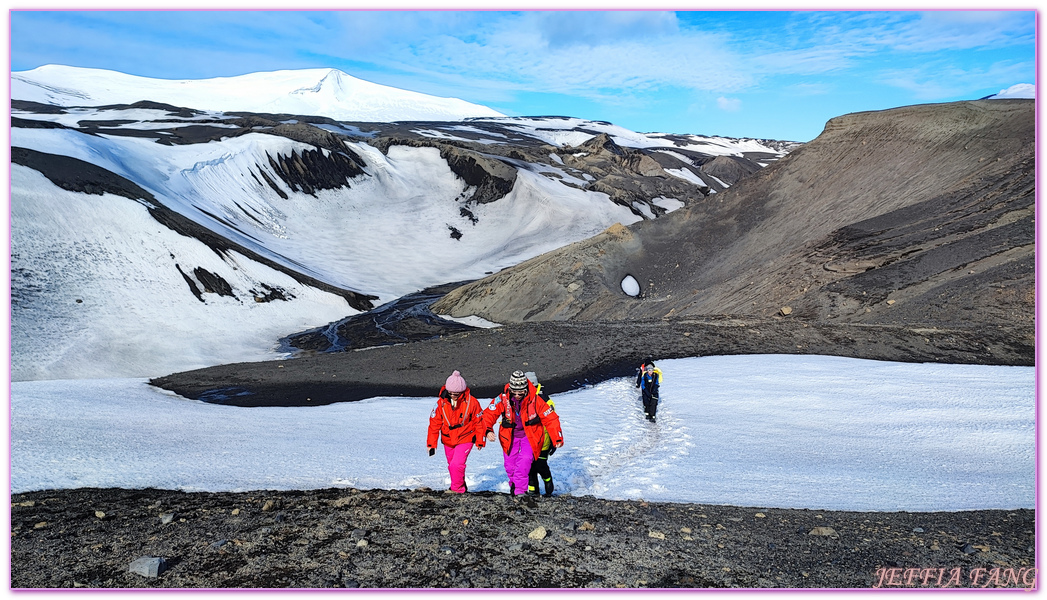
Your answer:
<point x="669" y="204"/>
<point x="472" y="321"/>
<point x="644" y="209"/>
<point x="688" y="175"/>
<point x="631" y="286"/>
<point x="717" y="180"/>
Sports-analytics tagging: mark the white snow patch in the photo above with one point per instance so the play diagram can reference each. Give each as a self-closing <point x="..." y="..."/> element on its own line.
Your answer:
<point x="327" y="92"/>
<point x="630" y="286"/>
<point x="669" y="204"/>
<point x="687" y="175"/>
<point x="717" y="180"/>
<point x="644" y="208"/>
<point x="472" y="321"/>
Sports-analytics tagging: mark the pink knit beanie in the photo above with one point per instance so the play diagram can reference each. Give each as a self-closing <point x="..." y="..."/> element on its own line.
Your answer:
<point x="455" y="383"/>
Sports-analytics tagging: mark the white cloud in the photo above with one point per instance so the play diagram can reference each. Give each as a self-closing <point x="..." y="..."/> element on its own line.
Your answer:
<point x="521" y="58"/>
<point x="574" y="28"/>
<point x="729" y="104"/>
<point x="959" y="30"/>
<point x="940" y="80"/>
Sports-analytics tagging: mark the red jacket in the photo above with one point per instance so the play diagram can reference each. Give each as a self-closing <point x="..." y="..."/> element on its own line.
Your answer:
<point x="456" y="424"/>
<point x="538" y="418"/>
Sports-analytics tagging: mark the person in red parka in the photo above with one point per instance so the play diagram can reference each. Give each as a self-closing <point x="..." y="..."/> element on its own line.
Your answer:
<point x="523" y="419"/>
<point x="457" y="421"/>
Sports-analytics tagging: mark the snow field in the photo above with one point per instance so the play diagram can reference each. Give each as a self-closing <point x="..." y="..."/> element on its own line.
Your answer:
<point x="327" y="92"/>
<point x="764" y="431"/>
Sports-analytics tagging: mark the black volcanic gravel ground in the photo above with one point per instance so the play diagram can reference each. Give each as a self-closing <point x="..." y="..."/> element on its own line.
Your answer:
<point x="335" y="538"/>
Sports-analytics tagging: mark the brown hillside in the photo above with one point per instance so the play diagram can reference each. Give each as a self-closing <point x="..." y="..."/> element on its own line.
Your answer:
<point x="917" y="215"/>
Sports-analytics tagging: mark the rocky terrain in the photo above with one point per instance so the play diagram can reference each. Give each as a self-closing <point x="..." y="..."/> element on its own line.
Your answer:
<point x="348" y="538"/>
<point x="916" y="215"/>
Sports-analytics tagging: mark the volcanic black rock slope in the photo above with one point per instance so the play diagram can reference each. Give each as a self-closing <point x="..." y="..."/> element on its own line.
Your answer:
<point x="904" y="234"/>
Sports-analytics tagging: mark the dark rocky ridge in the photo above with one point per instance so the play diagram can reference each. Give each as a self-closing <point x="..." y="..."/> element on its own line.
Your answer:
<point x="338" y="538"/>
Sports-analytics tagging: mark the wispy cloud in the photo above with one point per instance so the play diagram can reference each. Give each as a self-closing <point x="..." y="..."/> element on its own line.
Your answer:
<point x="634" y="63"/>
<point x="729" y="104"/>
<point x="608" y="55"/>
<point x="962" y="30"/>
<point x="940" y="79"/>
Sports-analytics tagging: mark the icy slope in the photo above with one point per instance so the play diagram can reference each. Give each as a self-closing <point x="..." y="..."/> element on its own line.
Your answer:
<point x="327" y="92"/>
<point x="99" y="290"/>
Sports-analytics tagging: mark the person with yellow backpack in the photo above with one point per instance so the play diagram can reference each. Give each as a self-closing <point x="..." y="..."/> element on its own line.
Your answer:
<point x="525" y="419"/>
<point x="540" y="466"/>
<point x="649" y="380"/>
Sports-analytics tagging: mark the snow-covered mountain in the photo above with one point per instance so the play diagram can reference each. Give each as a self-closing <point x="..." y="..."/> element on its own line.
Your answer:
<point x="1018" y="90"/>
<point x="154" y="237"/>
<point x="327" y="92"/>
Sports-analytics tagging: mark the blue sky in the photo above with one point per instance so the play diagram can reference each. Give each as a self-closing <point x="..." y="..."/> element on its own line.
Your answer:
<point x="766" y="74"/>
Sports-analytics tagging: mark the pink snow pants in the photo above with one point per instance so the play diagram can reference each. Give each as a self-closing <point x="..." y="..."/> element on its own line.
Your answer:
<point x="456" y="456"/>
<point x="518" y="465"/>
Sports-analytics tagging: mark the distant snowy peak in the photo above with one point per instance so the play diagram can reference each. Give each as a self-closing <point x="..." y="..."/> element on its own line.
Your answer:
<point x="1018" y="90"/>
<point x="324" y="92"/>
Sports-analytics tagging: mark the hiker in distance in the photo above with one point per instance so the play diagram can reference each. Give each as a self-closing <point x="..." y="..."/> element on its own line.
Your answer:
<point x="649" y="380"/>
<point x="540" y="466"/>
<point x="457" y="421"/>
<point x="523" y="419"/>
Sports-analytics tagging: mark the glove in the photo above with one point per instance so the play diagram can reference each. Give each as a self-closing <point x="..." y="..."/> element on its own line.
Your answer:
<point x="432" y="451"/>
<point x="552" y="450"/>
<point x="507" y="423"/>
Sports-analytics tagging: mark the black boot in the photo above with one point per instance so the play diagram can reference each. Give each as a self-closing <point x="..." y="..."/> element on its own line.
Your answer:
<point x="548" y="487"/>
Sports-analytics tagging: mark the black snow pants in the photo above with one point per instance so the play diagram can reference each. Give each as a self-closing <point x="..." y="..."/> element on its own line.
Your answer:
<point x="540" y="468"/>
<point x="650" y="404"/>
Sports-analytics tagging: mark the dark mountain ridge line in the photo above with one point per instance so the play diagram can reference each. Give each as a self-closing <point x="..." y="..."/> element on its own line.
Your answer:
<point x="477" y="164"/>
<point x="79" y="176"/>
